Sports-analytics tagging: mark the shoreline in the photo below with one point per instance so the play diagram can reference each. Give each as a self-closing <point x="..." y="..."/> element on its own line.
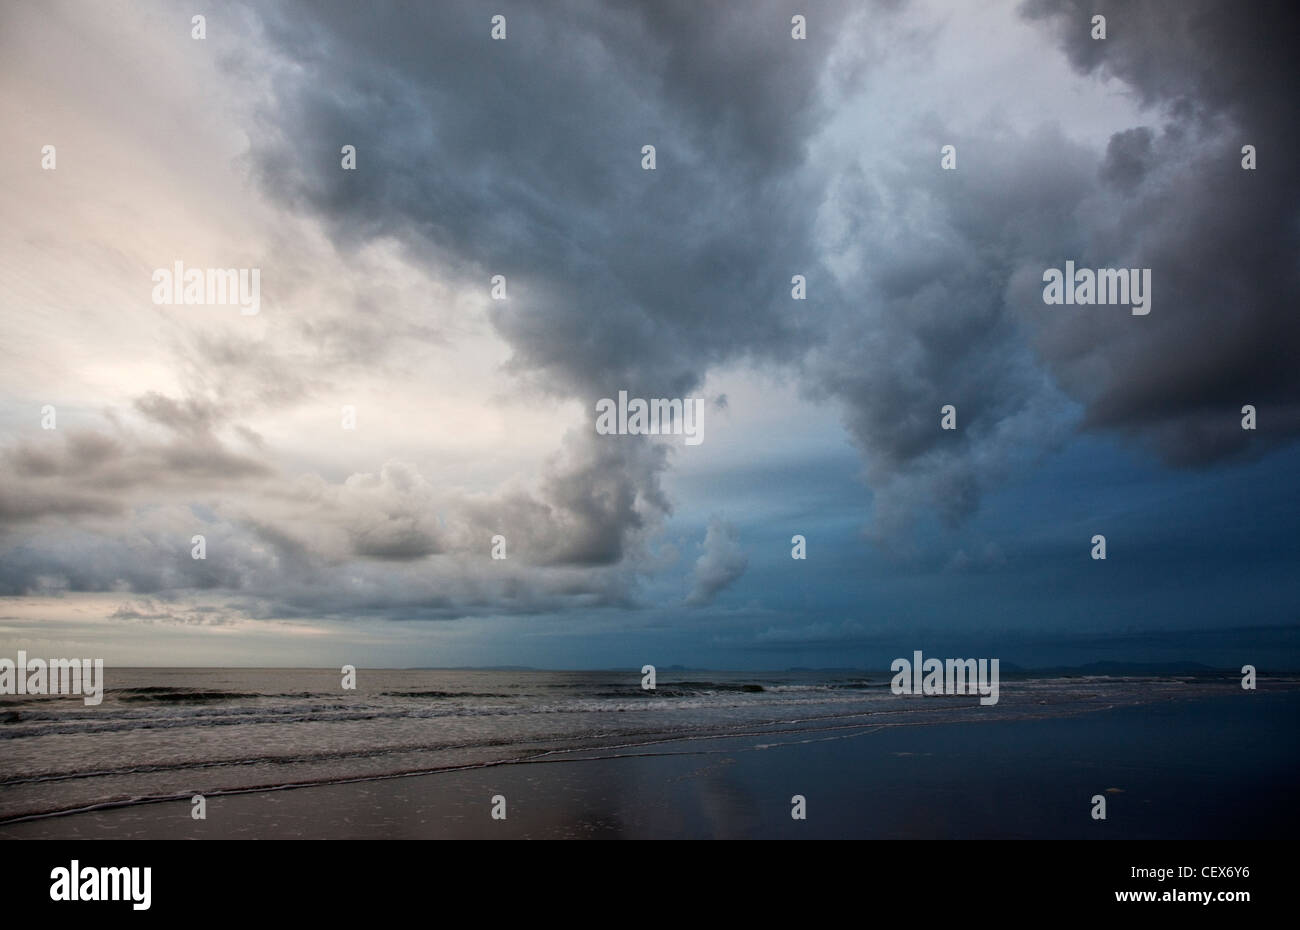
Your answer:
<point x="1026" y="777"/>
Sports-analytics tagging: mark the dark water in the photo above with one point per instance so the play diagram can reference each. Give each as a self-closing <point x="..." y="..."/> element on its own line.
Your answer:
<point x="412" y="753"/>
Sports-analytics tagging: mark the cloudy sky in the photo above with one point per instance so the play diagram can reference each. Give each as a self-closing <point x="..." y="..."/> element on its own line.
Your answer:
<point x="475" y="417"/>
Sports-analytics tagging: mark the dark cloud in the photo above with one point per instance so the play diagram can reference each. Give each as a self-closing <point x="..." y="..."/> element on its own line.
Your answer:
<point x="949" y="269"/>
<point x="622" y="278"/>
<point x="76" y="473"/>
<point x="523" y="158"/>
<point x="85" y="463"/>
<point x="602" y="497"/>
<point x="1223" y="243"/>
<point x="1128" y="158"/>
<point x="398" y="540"/>
<point x="934" y="325"/>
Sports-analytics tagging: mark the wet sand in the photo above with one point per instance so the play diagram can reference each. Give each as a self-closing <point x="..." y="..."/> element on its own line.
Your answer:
<point x="1211" y="768"/>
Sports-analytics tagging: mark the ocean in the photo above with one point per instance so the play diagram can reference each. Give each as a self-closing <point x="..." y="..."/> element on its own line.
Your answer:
<point x="420" y="753"/>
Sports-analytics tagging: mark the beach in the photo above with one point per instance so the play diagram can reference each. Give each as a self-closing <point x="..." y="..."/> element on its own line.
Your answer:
<point x="589" y="755"/>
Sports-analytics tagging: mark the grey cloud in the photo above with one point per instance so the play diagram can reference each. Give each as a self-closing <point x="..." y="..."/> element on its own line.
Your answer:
<point x="721" y="564"/>
<point x="628" y="279"/>
<point x="79" y="472"/>
<point x="188" y="415"/>
<point x="576" y="539"/>
<point x="1128" y="158"/>
<point x="149" y="611"/>
<point x="397" y="539"/>
<point x="523" y="157"/>
<point x="951" y="264"/>
<point x="603" y="496"/>
<point x="80" y="451"/>
<point x="22" y="505"/>
<point x="937" y="327"/>
<point x="150" y="557"/>
<point x="1223" y="243"/>
<point x="389" y="516"/>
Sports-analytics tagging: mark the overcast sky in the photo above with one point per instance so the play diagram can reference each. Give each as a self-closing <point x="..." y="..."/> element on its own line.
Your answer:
<point x="475" y="417"/>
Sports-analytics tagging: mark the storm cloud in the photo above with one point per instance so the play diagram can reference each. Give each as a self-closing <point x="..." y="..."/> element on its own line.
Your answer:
<point x="775" y="157"/>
